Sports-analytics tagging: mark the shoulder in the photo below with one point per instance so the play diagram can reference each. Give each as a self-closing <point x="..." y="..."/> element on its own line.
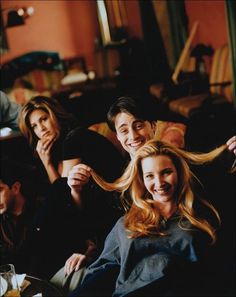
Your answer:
<point x="5" y="101"/>
<point x="84" y="136"/>
<point x="120" y="229"/>
<point x="119" y="226"/>
<point x="117" y="233"/>
<point x="120" y="223"/>
<point x="8" y="109"/>
<point x="76" y="131"/>
<point x="94" y="150"/>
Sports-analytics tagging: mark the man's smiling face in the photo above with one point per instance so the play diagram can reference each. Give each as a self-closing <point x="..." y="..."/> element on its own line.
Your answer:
<point x="133" y="132"/>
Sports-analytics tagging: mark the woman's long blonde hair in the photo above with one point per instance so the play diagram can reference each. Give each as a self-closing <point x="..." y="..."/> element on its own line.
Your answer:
<point x="142" y="219"/>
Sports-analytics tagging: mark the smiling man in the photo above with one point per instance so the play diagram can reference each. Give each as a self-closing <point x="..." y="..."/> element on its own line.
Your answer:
<point x="132" y="123"/>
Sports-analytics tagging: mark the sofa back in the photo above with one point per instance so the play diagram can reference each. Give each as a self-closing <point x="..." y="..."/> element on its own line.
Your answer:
<point x="170" y="132"/>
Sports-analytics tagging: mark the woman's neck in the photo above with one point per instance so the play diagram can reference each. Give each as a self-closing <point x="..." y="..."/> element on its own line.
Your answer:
<point x="166" y="209"/>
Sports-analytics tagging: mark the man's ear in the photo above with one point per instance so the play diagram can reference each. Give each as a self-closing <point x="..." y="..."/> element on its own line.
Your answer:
<point x="117" y="137"/>
<point x="16" y="187"/>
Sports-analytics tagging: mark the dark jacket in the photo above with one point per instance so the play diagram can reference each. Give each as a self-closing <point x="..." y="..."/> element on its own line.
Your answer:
<point x="146" y="265"/>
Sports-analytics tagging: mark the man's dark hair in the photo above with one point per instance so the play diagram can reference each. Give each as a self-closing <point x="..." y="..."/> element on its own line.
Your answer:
<point x="140" y="109"/>
<point x="13" y="171"/>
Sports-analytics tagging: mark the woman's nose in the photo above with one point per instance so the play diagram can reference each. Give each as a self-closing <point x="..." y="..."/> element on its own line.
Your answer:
<point x="41" y="127"/>
<point x="158" y="181"/>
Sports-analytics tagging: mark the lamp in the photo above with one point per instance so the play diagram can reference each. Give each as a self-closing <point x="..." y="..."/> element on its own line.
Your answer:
<point x="14" y="19"/>
<point x="198" y="52"/>
<point x="17" y="16"/>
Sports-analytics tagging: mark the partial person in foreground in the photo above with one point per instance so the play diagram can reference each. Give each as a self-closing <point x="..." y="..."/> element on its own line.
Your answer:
<point x="154" y="247"/>
<point x="9" y="111"/>
<point x="17" y="212"/>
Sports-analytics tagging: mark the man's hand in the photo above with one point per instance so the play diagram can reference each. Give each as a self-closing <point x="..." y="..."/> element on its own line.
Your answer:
<point x="78" y="176"/>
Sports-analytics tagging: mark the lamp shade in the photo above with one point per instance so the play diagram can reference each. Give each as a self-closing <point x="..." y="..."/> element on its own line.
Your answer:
<point x="14" y="19"/>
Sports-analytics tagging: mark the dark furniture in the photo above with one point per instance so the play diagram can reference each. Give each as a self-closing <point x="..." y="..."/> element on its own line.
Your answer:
<point x="40" y="286"/>
<point x="15" y="147"/>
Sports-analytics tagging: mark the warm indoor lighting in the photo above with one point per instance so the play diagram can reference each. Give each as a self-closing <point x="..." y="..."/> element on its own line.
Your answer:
<point x="30" y="11"/>
<point x="16" y="16"/>
<point x="20" y="11"/>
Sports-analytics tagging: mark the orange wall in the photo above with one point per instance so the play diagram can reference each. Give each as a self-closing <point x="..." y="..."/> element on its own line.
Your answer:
<point x="134" y="21"/>
<point x="68" y="27"/>
<point x="212" y="29"/>
<point x="84" y="22"/>
<point x="211" y="15"/>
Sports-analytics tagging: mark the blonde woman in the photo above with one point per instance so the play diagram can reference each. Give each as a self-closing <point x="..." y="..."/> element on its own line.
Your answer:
<point x="163" y="232"/>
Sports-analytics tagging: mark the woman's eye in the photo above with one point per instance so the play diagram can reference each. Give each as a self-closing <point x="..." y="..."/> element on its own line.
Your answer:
<point x="44" y="119"/>
<point x="167" y="172"/>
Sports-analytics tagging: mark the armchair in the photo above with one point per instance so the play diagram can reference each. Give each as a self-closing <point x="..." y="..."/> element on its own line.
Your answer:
<point x="170" y="132"/>
<point x="210" y="116"/>
<point x="220" y="87"/>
